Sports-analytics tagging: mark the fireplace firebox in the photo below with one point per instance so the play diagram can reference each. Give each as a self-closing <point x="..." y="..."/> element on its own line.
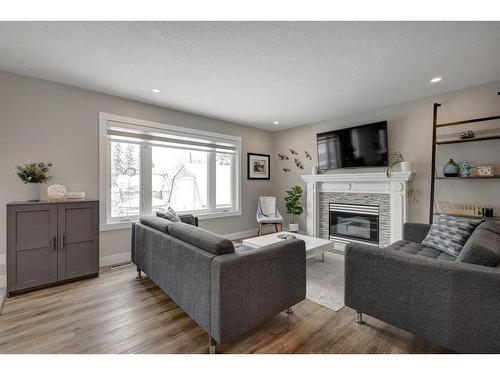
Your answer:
<point x="354" y="223"/>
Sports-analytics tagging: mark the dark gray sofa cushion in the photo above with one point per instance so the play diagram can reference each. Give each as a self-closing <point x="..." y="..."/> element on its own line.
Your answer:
<point x="188" y="219"/>
<point x="482" y="248"/>
<point x="419" y="249"/>
<point x="169" y="214"/>
<point x="201" y="238"/>
<point x="157" y="223"/>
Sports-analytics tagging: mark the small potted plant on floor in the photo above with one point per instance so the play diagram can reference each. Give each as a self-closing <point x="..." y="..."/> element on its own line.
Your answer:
<point x="34" y="174"/>
<point x="294" y="206"/>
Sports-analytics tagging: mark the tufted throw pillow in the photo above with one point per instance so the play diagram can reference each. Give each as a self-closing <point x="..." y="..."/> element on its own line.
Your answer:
<point x="169" y="214"/>
<point x="450" y="233"/>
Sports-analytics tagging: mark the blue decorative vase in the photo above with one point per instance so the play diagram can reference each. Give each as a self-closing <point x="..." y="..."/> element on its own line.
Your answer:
<point x="451" y="169"/>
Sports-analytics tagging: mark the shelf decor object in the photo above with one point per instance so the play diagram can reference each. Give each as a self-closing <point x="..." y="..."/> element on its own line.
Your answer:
<point x="56" y="191"/>
<point x="461" y="209"/>
<point x="451" y="169"/>
<point x="435" y="142"/>
<point x="33" y="174"/>
<point x="484" y="170"/>
<point x="466" y="134"/>
<point x="466" y="169"/>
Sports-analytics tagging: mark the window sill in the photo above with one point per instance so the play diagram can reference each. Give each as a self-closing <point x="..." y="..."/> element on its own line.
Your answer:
<point x="201" y="216"/>
<point x="216" y="215"/>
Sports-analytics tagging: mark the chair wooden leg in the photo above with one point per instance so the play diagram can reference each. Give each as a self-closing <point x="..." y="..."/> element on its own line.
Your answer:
<point x="276" y="227"/>
<point x="260" y="229"/>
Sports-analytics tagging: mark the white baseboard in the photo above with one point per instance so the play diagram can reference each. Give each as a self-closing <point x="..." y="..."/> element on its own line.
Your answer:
<point x="3" y="276"/>
<point x="239" y="235"/>
<point x="114" y="259"/>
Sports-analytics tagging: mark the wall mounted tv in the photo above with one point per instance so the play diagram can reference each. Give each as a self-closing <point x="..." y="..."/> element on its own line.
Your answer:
<point x="356" y="147"/>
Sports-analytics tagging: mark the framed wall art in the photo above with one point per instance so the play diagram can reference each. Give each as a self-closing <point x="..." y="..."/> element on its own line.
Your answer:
<point x="258" y="166"/>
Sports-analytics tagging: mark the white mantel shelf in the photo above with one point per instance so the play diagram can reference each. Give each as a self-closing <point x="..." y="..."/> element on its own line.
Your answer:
<point x="359" y="177"/>
<point x="396" y="185"/>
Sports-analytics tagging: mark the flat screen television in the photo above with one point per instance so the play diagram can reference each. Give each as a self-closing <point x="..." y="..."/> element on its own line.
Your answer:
<point x="356" y="147"/>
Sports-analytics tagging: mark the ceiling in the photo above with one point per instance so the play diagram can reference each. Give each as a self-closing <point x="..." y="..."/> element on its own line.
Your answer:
<point x="255" y="73"/>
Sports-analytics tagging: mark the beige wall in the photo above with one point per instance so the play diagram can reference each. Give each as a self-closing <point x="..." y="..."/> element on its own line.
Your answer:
<point x="41" y="120"/>
<point x="410" y="131"/>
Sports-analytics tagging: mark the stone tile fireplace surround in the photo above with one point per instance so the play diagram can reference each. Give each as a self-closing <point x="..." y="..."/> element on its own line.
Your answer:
<point x="373" y="188"/>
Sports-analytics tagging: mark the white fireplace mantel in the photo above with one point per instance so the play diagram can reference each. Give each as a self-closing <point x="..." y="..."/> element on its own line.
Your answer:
<point x="374" y="182"/>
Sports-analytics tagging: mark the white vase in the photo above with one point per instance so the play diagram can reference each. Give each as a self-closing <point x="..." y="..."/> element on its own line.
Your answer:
<point x="405" y="166"/>
<point x="293" y="227"/>
<point x="34" y="189"/>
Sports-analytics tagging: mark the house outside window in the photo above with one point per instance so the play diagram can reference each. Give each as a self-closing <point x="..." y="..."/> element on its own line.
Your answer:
<point x="146" y="167"/>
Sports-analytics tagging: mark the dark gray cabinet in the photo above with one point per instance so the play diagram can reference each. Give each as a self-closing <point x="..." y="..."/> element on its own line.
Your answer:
<point x="51" y="242"/>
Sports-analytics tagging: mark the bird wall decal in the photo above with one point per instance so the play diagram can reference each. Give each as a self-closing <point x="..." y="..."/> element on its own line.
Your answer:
<point x="299" y="164"/>
<point x="283" y="157"/>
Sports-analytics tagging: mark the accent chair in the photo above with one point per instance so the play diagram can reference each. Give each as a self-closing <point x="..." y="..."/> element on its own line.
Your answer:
<point x="268" y="213"/>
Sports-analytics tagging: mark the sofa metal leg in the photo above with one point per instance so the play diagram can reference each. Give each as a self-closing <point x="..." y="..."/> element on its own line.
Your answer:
<point x="139" y="273"/>
<point x="359" y="318"/>
<point x="211" y="345"/>
<point x="289" y="311"/>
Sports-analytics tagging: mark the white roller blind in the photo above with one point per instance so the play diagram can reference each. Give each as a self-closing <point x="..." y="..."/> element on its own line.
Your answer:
<point x="143" y="135"/>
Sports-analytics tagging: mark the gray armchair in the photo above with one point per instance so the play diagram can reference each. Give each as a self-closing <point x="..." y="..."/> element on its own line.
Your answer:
<point x="442" y="299"/>
<point x="269" y="215"/>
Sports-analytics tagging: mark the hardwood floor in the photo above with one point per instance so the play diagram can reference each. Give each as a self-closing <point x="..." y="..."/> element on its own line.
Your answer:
<point x="116" y="313"/>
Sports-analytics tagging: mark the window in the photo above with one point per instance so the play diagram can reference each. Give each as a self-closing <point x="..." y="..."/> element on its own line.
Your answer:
<point x="145" y="167"/>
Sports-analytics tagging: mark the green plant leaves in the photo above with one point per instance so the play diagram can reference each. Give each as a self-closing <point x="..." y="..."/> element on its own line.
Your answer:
<point x="293" y="202"/>
<point x="34" y="172"/>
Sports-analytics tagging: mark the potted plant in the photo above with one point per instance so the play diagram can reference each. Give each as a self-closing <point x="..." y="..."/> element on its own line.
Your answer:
<point x="34" y="174"/>
<point x="395" y="159"/>
<point x="294" y="206"/>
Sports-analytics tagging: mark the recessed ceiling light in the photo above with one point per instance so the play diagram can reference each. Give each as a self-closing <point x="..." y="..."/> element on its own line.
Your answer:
<point x="156" y="91"/>
<point x="276" y="123"/>
<point x="436" y="79"/>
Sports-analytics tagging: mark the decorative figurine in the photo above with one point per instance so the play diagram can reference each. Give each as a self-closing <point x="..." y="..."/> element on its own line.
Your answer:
<point x="451" y="169"/>
<point x="485" y="171"/>
<point x="466" y="167"/>
<point x="466" y="134"/>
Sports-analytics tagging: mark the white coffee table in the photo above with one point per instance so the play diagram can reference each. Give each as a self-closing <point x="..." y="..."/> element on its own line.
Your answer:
<point x="314" y="245"/>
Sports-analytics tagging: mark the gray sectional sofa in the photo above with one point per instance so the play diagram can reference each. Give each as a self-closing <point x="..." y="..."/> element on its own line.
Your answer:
<point x="226" y="291"/>
<point x="451" y="301"/>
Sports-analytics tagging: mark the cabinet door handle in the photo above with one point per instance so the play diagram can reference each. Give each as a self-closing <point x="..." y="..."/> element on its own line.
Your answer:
<point x="61" y="244"/>
<point x="54" y="243"/>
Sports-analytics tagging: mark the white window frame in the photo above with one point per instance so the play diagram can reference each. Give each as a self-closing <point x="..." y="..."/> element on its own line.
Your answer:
<point x="145" y="182"/>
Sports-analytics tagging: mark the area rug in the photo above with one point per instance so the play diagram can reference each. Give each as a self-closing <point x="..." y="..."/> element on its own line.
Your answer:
<point x="325" y="281"/>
